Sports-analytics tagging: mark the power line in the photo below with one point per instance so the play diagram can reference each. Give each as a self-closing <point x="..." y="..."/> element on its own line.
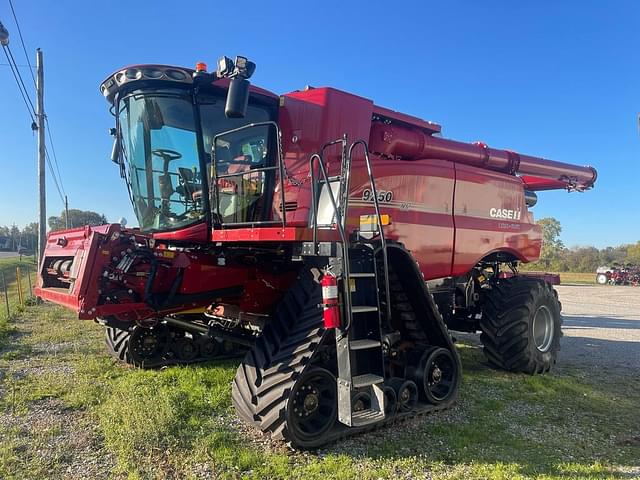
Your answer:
<point x="53" y="151"/>
<point x="20" y="65"/>
<point x="24" y="49"/>
<point x="57" y="180"/>
<point x="30" y="109"/>
<point x="53" y="175"/>
<point x="20" y="76"/>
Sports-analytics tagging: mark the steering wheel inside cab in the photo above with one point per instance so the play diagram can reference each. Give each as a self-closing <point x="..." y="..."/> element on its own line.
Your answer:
<point x="167" y="156"/>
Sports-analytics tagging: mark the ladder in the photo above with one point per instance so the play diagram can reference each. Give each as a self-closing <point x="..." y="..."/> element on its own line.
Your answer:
<point x="360" y="356"/>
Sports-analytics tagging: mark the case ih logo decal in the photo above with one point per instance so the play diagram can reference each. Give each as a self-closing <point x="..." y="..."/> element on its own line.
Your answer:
<point x="505" y="213"/>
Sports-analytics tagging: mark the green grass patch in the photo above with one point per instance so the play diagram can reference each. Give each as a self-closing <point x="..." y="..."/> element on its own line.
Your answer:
<point x="577" y="277"/>
<point x="179" y="422"/>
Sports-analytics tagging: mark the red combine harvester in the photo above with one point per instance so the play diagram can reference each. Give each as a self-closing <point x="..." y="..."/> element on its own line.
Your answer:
<point x="331" y="240"/>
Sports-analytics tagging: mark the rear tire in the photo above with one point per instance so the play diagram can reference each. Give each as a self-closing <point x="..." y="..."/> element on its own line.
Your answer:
<point x="601" y="279"/>
<point x="521" y="325"/>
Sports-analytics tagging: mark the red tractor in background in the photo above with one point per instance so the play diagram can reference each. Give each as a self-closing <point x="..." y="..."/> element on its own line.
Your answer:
<point x="332" y="241"/>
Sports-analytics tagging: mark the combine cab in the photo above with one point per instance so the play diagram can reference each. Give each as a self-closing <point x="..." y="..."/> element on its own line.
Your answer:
<point x="331" y="241"/>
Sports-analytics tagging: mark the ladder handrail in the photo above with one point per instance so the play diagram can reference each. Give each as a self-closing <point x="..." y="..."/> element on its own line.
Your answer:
<point x="319" y="157"/>
<point x="345" y="250"/>
<point x="340" y="210"/>
<point x="376" y="203"/>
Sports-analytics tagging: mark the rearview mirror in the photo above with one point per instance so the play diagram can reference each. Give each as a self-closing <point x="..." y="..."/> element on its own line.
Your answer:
<point x="237" y="98"/>
<point x="115" y="150"/>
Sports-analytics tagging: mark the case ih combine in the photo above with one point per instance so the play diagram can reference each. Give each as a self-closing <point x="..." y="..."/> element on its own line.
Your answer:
<point x="333" y="240"/>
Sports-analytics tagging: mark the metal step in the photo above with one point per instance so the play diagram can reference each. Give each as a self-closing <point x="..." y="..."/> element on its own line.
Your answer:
<point x="366" y="417"/>
<point x="366" y="380"/>
<point x="362" y="275"/>
<point x="363" y="309"/>
<point x="363" y="344"/>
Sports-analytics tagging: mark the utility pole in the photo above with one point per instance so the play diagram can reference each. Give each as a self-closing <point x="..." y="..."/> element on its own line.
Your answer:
<point x="66" y="212"/>
<point x="42" y="206"/>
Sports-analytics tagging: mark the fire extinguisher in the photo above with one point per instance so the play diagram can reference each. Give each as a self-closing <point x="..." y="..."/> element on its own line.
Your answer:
<point x="330" y="305"/>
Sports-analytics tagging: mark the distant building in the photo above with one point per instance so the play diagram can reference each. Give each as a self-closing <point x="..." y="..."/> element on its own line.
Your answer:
<point x="5" y="243"/>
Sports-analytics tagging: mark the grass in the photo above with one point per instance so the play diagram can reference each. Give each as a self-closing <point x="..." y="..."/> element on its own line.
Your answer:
<point x="8" y="268"/>
<point x="178" y="422"/>
<point x="576" y="277"/>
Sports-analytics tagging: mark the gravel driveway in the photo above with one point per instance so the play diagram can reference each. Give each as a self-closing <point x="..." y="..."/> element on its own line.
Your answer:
<point x="601" y="327"/>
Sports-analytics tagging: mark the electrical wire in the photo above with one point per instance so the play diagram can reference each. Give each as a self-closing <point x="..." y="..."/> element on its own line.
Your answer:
<point x="53" y="175"/>
<point x="24" y="49"/>
<point x="10" y="54"/>
<point x="15" y="76"/>
<point x="14" y="68"/>
<point x="53" y="151"/>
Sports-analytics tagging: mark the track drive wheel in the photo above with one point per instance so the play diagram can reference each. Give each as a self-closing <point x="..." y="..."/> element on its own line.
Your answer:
<point x="435" y="372"/>
<point x="313" y="406"/>
<point x="521" y="325"/>
<point x="147" y="346"/>
<point x="277" y="380"/>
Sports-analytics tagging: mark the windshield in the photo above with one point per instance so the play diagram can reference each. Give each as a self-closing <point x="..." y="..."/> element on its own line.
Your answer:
<point x="160" y="149"/>
<point x="163" y="169"/>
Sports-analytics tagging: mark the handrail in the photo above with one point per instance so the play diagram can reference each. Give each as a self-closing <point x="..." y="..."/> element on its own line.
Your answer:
<point x="279" y="167"/>
<point x="341" y="209"/>
<point x="339" y="217"/>
<point x="314" y="212"/>
<point x="376" y="203"/>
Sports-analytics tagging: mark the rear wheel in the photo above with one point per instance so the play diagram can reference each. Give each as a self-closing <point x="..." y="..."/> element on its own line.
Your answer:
<point x="601" y="279"/>
<point x="521" y="325"/>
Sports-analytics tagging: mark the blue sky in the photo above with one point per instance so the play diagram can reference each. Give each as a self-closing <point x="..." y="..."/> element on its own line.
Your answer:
<point x="548" y="78"/>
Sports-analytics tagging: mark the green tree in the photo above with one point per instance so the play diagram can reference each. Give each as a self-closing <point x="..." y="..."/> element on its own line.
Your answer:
<point x="633" y="253"/>
<point x="30" y="236"/>
<point x="14" y="234"/>
<point x="77" y="218"/>
<point x="552" y="246"/>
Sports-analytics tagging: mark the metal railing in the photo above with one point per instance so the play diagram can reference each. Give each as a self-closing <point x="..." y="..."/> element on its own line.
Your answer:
<point x="341" y="208"/>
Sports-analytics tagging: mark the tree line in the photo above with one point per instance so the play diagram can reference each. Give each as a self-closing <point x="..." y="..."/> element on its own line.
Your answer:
<point x="556" y="257"/>
<point x="12" y="237"/>
<point x="553" y="257"/>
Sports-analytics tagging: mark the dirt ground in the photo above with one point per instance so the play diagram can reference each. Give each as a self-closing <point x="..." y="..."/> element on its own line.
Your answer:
<point x="601" y="326"/>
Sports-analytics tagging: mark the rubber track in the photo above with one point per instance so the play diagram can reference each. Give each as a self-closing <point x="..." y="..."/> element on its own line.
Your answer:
<point x="117" y="342"/>
<point x="401" y="303"/>
<point x="267" y="374"/>
<point x="505" y="326"/>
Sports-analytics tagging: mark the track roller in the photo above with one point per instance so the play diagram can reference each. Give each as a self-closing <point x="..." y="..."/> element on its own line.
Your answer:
<point x="406" y="393"/>
<point x="162" y="346"/>
<point x="390" y="401"/>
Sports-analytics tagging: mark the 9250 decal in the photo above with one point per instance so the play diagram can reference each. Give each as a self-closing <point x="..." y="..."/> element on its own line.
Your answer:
<point x="384" y="196"/>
